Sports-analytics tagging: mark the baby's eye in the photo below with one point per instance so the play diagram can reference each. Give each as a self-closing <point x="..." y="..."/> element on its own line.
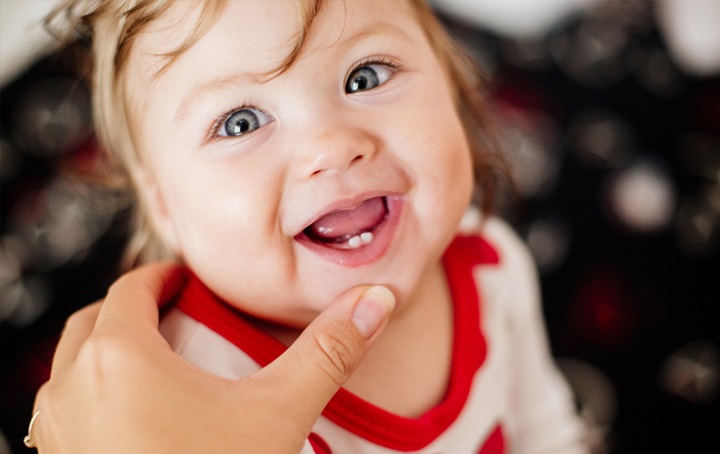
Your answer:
<point x="368" y="77"/>
<point x="243" y="121"/>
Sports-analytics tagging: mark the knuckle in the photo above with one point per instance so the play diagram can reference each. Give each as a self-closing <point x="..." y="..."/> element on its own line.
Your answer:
<point x="79" y="318"/>
<point x="118" y="284"/>
<point x="101" y="358"/>
<point x="338" y="353"/>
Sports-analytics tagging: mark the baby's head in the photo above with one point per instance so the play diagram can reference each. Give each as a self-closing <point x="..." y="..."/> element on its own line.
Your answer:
<point x="289" y="150"/>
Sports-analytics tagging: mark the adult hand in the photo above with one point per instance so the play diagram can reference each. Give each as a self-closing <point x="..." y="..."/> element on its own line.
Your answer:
<point x="116" y="386"/>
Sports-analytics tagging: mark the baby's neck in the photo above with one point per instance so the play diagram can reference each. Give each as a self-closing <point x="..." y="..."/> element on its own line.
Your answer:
<point x="407" y="370"/>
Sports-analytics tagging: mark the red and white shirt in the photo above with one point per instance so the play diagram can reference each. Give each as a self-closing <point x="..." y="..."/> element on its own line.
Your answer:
<point x="504" y="393"/>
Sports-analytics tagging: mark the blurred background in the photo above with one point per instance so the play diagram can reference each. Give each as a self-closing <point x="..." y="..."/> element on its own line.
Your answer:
<point x="611" y="118"/>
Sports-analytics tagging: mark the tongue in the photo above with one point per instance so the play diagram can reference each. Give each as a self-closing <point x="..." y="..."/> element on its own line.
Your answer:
<point x="340" y="226"/>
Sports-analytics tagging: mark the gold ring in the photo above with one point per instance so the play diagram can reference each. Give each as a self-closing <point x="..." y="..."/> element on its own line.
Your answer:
<point x="29" y="440"/>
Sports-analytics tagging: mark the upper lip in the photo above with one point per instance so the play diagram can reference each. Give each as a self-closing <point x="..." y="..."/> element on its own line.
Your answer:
<point x="346" y="203"/>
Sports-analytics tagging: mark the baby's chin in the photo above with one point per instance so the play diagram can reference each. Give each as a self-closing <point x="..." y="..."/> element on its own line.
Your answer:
<point x="296" y="306"/>
<point x="292" y="314"/>
<point x="299" y="315"/>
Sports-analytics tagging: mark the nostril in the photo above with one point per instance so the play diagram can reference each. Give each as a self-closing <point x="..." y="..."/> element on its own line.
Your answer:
<point x="332" y="162"/>
<point x="353" y="161"/>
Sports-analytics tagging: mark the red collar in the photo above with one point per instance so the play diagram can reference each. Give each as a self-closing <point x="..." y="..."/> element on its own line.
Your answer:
<point x="348" y="410"/>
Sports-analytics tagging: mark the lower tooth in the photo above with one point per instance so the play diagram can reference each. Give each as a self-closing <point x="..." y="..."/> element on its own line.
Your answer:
<point x="354" y="242"/>
<point x="359" y="240"/>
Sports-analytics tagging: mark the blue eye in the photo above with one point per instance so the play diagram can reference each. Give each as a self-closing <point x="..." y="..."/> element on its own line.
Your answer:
<point x="243" y="121"/>
<point x="367" y="77"/>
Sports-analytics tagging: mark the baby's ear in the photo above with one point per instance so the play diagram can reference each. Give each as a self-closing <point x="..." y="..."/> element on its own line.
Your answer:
<point x="153" y="205"/>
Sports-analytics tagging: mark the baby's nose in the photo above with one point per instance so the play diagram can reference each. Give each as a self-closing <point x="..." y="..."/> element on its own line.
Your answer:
<point x="334" y="149"/>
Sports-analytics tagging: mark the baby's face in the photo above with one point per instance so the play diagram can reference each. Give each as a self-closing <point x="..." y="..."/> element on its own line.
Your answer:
<point x="349" y="168"/>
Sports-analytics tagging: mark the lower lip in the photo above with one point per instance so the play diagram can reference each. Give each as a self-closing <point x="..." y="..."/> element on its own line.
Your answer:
<point x="382" y="238"/>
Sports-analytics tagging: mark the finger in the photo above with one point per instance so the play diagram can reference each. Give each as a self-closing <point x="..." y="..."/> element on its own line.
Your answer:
<point x="329" y="350"/>
<point x="34" y="430"/>
<point x="77" y="330"/>
<point x="134" y="298"/>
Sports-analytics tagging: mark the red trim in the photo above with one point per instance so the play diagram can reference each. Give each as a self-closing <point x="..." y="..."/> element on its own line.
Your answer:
<point x="348" y="410"/>
<point x="319" y="445"/>
<point x="495" y="443"/>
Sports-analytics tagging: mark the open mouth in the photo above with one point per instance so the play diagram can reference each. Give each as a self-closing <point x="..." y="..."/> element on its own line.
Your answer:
<point x="355" y="235"/>
<point x="349" y="229"/>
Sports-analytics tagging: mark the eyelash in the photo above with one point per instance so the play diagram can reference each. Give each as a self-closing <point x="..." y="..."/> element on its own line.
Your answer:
<point x="384" y="61"/>
<point x="213" y="130"/>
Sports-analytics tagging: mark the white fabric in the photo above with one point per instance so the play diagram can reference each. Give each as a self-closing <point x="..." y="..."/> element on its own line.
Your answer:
<point x="517" y="386"/>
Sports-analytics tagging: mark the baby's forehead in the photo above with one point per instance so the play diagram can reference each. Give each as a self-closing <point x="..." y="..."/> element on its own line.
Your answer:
<point x="273" y="28"/>
<point x="184" y="24"/>
<point x="253" y="41"/>
<point x="175" y="29"/>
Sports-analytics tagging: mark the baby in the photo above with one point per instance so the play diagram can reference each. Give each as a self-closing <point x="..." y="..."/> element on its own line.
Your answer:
<point x="289" y="150"/>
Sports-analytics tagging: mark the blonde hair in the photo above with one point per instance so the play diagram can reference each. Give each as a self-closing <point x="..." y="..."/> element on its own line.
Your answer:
<point x="111" y="26"/>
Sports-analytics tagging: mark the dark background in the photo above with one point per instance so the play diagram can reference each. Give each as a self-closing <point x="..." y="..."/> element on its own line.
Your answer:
<point x="617" y="154"/>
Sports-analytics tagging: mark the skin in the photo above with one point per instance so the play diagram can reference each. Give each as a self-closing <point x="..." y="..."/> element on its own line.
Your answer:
<point x="113" y="374"/>
<point x="232" y="207"/>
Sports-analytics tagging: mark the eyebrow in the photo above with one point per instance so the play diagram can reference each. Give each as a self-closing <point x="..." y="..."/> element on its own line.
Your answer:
<point x="242" y="78"/>
<point x="376" y="29"/>
<point x="219" y="84"/>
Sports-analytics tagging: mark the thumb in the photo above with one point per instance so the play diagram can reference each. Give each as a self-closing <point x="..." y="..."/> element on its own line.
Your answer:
<point x="319" y="362"/>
